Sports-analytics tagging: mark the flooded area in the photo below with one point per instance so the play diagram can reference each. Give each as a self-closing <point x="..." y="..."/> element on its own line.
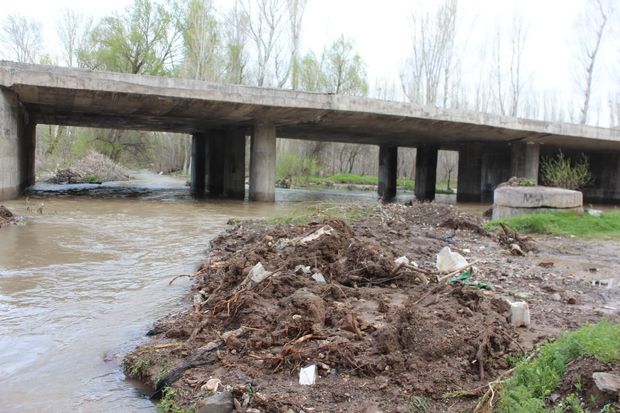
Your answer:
<point x="85" y="274"/>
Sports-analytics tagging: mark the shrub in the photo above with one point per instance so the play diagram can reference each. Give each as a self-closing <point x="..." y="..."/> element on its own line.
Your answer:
<point x="561" y="172"/>
<point x="291" y="164"/>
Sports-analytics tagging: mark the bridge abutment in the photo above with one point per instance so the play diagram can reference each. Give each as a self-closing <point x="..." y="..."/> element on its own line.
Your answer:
<point x="388" y="165"/>
<point x="17" y="144"/>
<point x="426" y="172"/>
<point x="263" y="162"/>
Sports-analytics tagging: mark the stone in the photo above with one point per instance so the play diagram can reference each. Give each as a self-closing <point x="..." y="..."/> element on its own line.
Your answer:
<point x="211" y="385"/>
<point x="218" y="403"/>
<point x="556" y="297"/>
<point x="594" y="212"/>
<point x="606" y="382"/>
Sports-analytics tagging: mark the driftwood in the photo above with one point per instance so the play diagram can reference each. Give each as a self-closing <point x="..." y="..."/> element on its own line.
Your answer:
<point x="205" y="355"/>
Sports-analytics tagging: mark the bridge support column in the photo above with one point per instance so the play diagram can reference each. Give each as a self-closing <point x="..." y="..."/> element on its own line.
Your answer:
<point x="524" y="159"/>
<point x="470" y="173"/>
<point x="234" y="163"/>
<point x="495" y="169"/>
<point x="17" y="147"/>
<point x="388" y="165"/>
<point x="263" y="162"/>
<point x="199" y="142"/>
<point x="426" y="172"/>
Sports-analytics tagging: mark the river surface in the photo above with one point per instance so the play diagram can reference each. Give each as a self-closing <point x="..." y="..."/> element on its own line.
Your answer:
<point x="85" y="274"/>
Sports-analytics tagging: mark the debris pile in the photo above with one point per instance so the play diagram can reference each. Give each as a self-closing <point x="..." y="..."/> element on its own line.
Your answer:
<point x="93" y="168"/>
<point x="327" y="314"/>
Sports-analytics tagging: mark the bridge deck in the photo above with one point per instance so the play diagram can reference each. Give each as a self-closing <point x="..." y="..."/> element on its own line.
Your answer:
<point x="102" y="99"/>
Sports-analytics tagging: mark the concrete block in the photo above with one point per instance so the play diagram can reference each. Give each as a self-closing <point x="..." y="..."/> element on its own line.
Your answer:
<point x="520" y="200"/>
<point x="537" y="197"/>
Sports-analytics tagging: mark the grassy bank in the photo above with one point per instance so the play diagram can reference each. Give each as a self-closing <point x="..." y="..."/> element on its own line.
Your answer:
<point x="534" y="380"/>
<point x="565" y="223"/>
<point x="353" y="180"/>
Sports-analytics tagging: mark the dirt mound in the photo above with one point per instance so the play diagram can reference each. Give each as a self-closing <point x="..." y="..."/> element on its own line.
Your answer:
<point x="272" y="300"/>
<point x="577" y="383"/>
<point x="6" y="216"/>
<point x="93" y="168"/>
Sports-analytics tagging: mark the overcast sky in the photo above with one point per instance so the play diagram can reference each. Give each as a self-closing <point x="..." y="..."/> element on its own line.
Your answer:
<point x="381" y="31"/>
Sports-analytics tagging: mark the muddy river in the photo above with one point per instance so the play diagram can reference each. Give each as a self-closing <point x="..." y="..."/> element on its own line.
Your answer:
<point x="86" y="273"/>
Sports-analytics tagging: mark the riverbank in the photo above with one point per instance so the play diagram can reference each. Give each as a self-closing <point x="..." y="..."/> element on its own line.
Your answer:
<point x="352" y="182"/>
<point x="329" y="295"/>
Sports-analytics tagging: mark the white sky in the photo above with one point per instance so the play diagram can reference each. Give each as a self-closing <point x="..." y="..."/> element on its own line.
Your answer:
<point x="380" y="29"/>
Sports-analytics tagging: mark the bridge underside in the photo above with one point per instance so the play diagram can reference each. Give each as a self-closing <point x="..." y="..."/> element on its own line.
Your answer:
<point x="219" y="117"/>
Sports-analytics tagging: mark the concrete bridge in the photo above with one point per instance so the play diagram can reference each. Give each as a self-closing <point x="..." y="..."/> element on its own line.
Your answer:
<point x="219" y="117"/>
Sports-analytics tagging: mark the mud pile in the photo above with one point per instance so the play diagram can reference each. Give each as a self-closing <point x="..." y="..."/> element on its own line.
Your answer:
<point x="92" y="168"/>
<point x="271" y="300"/>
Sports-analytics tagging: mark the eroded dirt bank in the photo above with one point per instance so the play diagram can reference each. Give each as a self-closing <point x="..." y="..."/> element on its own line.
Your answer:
<point x="383" y="337"/>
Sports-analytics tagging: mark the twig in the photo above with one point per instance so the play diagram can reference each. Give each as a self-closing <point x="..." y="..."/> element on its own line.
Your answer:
<point x="186" y="275"/>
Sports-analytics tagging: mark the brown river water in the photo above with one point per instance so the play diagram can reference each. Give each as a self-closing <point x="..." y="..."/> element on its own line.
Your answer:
<point x="82" y="282"/>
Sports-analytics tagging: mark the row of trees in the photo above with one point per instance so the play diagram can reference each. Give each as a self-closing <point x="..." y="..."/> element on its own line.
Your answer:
<point x="259" y="42"/>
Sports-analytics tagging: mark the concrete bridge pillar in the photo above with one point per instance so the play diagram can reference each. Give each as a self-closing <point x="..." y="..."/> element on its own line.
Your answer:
<point x="17" y="147"/>
<point x="524" y="159"/>
<point x="388" y="165"/>
<point x="199" y="142"/>
<point x="426" y="172"/>
<point x="234" y="163"/>
<point x="470" y="173"/>
<point x="495" y="169"/>
<point x="263" y="162"/>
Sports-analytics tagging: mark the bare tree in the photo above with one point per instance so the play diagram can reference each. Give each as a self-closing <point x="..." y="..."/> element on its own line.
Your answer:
<point x="235" y="45"/>
<point x="594" y="24"/>
<point x="274" y="28"/>
<point x="21" y="36"/>
<point x="509" y="74"/>
<point x="202" y="41"/>
<point x="430" y="63"/>
<point x="73" y="29"/>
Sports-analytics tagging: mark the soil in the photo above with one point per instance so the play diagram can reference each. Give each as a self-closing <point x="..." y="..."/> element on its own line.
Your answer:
<point x="577" y="380"/>
<point x="6" y="217"/>
<point x="384" y="337"/>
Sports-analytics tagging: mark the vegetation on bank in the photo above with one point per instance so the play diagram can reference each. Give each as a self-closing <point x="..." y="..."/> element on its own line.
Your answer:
<point x="533" y="381"/>
<point x="325" y="210"/>
<point x="565" y="223"/>
<point x="353" y="181"/>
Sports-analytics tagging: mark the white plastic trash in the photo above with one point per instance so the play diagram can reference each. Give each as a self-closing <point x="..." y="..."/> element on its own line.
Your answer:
<point x="307" y="375"/>
<point x="520" y="314"/>
<point x="318" y="277"/>
<point x="448" y="261"/>
<point x="258" y="273"/>
<point x="402" y="260"/>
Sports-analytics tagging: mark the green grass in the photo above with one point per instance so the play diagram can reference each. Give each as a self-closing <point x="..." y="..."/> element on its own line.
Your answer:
<point x="534" y="380"/>
<point x="324" y="210"/>
<point x="353" y="179"/>
<point x="565" y="223"/>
